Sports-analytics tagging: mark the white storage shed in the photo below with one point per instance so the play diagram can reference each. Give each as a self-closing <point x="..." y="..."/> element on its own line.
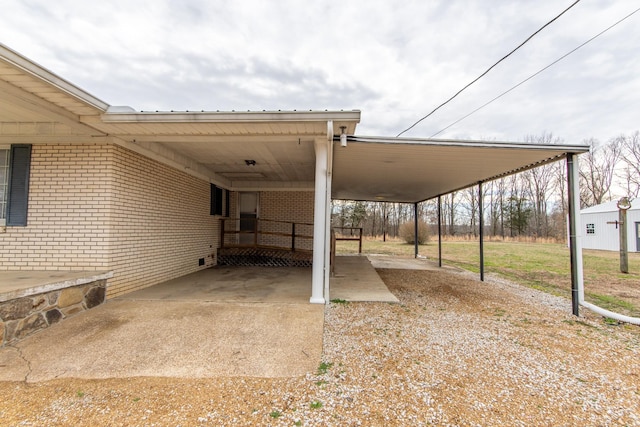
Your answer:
<point x="600" y="227"/>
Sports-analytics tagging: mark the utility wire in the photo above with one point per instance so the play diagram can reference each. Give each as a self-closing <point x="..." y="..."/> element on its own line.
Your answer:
<point x="536" y="73"/>
<point x="489" y="69"/>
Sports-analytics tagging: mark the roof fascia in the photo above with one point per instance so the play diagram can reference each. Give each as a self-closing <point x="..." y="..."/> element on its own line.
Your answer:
<point x="563" y="148"/>
<point x="29" y="67"/>
<point x="230" y="117"/>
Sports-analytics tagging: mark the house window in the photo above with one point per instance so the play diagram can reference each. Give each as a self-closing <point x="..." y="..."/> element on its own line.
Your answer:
<point x="591" y="229"/>
<point x="219" y="201"/>
<point x="15" y="162"/>
<point x="4" y="183"/>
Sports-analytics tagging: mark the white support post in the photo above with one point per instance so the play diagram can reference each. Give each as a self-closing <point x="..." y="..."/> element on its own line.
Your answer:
<point x="327" y="251"/>
<point x="319" y="223"/>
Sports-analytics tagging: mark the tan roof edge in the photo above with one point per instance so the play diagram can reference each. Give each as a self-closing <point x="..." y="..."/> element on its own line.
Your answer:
<point x="17" y="60"/>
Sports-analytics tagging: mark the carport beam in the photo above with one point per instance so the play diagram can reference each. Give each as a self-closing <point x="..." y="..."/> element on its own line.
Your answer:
<point x="481" y="234"/>
<point x="575" y="258"/>
<point x="439" y="231"/>
<point x="415" y="229"/>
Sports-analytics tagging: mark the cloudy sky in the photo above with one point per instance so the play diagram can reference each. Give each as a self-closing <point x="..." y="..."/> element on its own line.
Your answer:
<point x="393" y="60"/>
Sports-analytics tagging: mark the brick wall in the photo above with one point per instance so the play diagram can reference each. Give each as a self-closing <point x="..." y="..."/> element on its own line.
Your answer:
<point x="160" y="223"/>
<point x="68" y="206"/>
<point x="103" y="207"/>
<point x="288" y="206"/>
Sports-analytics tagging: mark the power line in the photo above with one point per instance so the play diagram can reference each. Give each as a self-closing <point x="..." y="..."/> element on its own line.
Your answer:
<point x="536" y="73"/>
<point x="490" y="68"/>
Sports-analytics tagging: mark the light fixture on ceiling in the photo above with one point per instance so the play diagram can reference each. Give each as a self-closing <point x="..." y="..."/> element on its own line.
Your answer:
<point x="343" y="136"/>
<point x="250" y="162"/>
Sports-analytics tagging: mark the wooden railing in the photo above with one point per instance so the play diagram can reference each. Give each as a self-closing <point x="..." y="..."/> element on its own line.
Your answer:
<point x="343" y="236"/>
<point x="266" y="233"/>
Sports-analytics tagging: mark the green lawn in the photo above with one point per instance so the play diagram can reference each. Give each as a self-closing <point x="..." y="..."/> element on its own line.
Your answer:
<point x="543" y="266"/>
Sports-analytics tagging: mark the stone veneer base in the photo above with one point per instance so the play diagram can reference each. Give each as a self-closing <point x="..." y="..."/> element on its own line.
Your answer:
<point x="25" y="315"/>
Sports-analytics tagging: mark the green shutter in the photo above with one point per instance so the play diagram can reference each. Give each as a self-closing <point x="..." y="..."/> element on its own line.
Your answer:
<point x="19" y="165"/>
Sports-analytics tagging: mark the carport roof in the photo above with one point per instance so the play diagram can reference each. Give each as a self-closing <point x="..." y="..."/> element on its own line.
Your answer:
<point x="38" y="106"/>
<point x="414" y="170"/>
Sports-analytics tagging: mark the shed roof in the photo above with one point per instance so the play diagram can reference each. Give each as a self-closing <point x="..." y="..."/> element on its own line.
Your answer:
<point x="609" y="207"/>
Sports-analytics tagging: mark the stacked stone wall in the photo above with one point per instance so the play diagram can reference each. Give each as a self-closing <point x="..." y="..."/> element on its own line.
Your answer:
<point x="23" y="316"/>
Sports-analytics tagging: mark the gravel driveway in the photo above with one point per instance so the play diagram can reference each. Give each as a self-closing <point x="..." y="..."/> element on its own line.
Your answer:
<point x="455" y="351"/>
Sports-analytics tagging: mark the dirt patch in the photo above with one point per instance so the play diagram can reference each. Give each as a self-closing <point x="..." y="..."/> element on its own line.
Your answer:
<point x="455" y="351"/>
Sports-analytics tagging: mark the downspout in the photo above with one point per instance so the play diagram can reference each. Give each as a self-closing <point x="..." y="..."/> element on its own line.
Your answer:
<point x="575" y="245"/>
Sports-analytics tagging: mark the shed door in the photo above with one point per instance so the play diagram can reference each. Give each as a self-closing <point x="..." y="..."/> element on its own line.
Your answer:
<point x="248" y="208"/>
<point x="637" y="236"/>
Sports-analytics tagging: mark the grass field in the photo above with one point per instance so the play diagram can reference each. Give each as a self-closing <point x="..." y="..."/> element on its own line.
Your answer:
<point x="544" y="266"/>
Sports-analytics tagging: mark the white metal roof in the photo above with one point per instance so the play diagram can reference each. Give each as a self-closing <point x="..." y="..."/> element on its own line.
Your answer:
<point x="609" y="207"/>
<point x="413" y="170"/>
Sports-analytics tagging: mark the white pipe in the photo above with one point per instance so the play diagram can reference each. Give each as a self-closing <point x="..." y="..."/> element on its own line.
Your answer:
<point x="611" y="314"/>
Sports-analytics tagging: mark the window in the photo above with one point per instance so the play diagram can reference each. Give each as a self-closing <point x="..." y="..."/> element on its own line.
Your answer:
<point x="219" y="201"/>
<point x="15" y="163"/>
<point x="591" y="229"/>
<point x="4" y="183"/>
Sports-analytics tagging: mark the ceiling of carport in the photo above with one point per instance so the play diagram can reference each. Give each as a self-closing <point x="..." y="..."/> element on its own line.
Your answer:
<point x="414" y="170"/>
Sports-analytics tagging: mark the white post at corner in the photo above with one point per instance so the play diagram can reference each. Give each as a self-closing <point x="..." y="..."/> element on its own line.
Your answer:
<point x="319" y="222"/>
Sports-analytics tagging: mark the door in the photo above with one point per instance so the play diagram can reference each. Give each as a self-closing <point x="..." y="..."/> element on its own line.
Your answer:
<point x="248" y="208"/>
<point x="637" y="236"/>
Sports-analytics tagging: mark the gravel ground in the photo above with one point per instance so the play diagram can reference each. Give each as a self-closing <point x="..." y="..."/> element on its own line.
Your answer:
<point x="455" y="351"/>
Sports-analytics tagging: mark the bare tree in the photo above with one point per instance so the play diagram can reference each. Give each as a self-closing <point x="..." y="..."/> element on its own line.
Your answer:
<point x="449" y="208"/>
<point x="597" y="170"/>
<point x="470" y="204"/>
<point x="539" y="186"/>
<point x="631" y="164"/>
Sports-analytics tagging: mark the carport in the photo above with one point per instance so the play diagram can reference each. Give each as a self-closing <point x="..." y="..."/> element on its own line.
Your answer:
<point x="416" y="170"/>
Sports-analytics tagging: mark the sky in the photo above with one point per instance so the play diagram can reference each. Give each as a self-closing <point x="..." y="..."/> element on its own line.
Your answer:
<point x="395" y="61"/>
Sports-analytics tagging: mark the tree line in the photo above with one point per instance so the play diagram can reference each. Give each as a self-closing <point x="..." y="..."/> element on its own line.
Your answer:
<point x="529" y="204"/>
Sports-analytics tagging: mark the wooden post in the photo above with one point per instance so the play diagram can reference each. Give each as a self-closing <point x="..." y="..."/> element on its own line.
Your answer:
<point x="255" y="232"/>
<point x="293" y="237"/>
<point x="360" y="242"/>
<point x="624" y="256"/>
<point x="623" y="204"/>
<point x="222" y="232"/>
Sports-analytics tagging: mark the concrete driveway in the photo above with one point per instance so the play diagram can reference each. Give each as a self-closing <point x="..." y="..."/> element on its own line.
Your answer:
<point x="227" y="321"/>
<point x="192" y="335"/>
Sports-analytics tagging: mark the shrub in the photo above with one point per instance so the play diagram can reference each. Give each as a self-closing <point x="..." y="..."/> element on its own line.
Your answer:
<point x="407" y="231"/>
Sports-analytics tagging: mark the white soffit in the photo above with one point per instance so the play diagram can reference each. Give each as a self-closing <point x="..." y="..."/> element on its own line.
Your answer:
<point x="414" y="170"/>
<point x="25" y="74"/>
